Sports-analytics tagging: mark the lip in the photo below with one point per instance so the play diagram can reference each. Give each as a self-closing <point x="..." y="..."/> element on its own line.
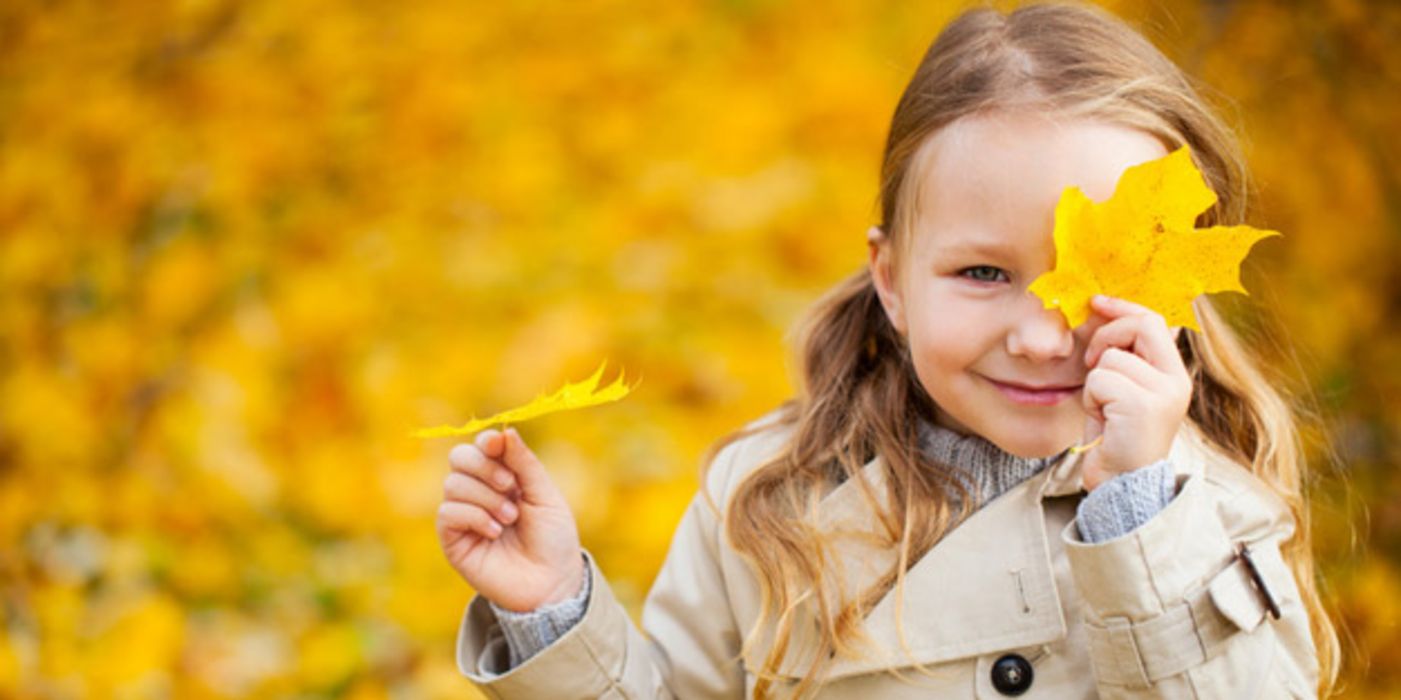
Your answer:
<point x="1033" y="395"/>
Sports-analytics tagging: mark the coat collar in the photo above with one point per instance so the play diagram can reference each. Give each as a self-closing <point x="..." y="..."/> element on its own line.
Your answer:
<point x="988" y="585"/>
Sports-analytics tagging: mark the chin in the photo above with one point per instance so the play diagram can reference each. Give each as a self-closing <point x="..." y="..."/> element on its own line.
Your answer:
<point x="1031" y="445"/>
<point x="1033" y="451"/>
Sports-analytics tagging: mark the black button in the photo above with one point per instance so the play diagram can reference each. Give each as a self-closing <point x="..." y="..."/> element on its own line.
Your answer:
<point x="1011" y="675"/>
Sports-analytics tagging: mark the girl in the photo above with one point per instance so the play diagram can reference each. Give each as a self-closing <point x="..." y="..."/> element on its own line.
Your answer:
<point x="913" y="524"/>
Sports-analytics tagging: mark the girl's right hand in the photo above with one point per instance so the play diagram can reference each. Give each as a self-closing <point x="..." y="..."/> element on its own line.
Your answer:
<point x="505" y="527"/>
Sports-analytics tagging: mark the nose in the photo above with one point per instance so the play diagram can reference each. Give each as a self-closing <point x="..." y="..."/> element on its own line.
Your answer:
<point x="1038" y="333"/>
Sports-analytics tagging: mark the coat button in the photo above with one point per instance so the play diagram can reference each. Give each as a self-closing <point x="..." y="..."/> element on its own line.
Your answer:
<point x="1011" y="675"/>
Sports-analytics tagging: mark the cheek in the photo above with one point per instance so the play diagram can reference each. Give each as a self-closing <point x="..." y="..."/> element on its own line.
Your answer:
<point x="950" y="331"/>
<point x="942" y="347"/>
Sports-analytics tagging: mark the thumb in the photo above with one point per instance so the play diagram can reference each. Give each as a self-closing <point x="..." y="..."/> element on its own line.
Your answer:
<point x="1094" y="427"/>
<point x="530" y="472"/>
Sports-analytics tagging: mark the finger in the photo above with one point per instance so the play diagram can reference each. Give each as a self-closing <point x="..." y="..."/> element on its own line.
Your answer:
<point x="1123" y="328"/>
<point x="1104" y="387"/>
<point x="468" y="489"/>
<point x="1094" y="427"/>
<point x="466" y="517"/>
<point x="1137" y="369"/>
<point x="1145" y="335"/>
<point x="469" y="459"/>
<point x="1114" y="307"/>
<point x="491" y="442"/>
<point x="529" y="471"/>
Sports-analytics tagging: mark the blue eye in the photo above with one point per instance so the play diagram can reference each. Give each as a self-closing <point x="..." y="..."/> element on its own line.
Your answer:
<point x="984" y="273"/>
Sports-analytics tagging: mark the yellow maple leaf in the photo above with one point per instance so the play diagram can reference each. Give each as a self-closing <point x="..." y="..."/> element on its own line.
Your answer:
<point x="1142" y="245"/>
<point x="572" y="395"/>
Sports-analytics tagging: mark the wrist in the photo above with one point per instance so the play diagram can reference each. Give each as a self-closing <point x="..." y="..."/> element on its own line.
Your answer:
<point x="570" y="586"/>
<point x="1092" y="482"/>
<point x="1092" y="479"/>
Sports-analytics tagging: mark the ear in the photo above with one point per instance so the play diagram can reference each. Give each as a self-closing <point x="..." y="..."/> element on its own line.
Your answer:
<point x="881" y="262"/>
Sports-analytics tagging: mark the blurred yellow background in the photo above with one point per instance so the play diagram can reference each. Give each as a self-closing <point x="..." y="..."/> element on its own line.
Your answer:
<point x="247" y="247"/>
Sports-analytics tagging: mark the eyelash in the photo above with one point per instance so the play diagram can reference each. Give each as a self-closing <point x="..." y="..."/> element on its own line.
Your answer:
<point x="965" y="273"/>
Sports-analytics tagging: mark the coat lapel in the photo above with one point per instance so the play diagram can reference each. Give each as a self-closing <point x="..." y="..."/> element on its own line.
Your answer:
<point x="988" y="585"/>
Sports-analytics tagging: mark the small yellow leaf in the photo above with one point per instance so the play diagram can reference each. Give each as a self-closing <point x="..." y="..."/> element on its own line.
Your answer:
<point x="572" y="395"/>
<point x="1142" y="244"/>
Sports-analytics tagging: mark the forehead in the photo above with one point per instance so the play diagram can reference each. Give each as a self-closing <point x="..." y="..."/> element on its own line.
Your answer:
<point x="994" y="179"/>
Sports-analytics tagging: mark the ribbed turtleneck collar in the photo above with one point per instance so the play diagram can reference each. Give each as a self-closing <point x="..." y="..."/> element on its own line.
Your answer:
<point x="988" y="470"/>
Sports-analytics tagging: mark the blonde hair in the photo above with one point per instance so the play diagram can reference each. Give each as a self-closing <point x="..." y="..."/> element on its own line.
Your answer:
<point x="859" y="392"/>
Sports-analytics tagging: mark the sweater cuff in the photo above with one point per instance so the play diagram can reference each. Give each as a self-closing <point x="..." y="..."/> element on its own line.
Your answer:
<point x="527" y="633"/>
<point x="1125" y="502"/>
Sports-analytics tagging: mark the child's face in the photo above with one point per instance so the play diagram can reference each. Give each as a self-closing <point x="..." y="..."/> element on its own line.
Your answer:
<point x="983" y="234"/>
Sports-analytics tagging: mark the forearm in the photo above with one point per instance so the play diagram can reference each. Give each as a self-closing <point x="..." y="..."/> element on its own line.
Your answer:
<point x="1173" y="605"/>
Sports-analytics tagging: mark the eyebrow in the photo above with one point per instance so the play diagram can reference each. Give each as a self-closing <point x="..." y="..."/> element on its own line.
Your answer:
<point x="975" y="247"/>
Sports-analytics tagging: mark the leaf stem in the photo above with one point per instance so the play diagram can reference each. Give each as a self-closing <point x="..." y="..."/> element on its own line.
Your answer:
<point x="1077" y="449"/>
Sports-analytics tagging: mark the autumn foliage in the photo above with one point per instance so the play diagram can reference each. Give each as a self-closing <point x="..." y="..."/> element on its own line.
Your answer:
<point x="1141" y="244"/>
<point x="246" y="248"/>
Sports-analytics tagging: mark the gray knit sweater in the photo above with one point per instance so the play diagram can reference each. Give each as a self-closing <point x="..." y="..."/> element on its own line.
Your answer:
<point x="1112" y="510"/>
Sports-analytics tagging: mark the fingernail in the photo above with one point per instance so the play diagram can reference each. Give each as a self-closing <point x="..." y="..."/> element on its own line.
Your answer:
<point x="482" y="440"/>
<point x="495" y="528"/>
<point x="508" y="511"/>
<point x="502" y="478"/>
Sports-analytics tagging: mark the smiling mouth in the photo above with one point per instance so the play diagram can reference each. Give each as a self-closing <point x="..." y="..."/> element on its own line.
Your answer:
<point x="1039" y="387"/>
<point x="1046" y="395"/>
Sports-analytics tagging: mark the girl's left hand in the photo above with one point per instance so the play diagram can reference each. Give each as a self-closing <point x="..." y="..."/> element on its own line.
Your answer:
<point x="1136" y="393"/>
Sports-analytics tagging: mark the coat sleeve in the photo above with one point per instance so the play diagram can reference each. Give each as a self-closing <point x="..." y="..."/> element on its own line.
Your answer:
<point x="690" y="648"/>
<point x="1174" y="609"/>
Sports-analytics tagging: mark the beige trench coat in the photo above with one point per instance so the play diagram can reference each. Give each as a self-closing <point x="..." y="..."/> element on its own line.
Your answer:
<point x="1166" y="611"/>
